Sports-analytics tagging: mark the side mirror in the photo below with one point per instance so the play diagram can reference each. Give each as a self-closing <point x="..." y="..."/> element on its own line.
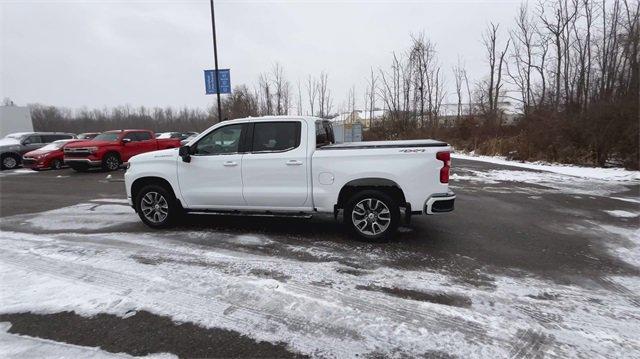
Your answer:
<point x="185" y="153"/>
<point x="125" y="141"/>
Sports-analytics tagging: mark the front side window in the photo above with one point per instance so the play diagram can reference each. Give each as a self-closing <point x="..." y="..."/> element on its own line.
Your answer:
<point x="107" y="136"/>
<point x="275" y="136"/>
<point x="32" y="139"/>
<point x="224" y="140"/>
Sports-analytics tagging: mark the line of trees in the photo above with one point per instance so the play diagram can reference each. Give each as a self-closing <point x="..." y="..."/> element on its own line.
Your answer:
<point x="561" y="84"/>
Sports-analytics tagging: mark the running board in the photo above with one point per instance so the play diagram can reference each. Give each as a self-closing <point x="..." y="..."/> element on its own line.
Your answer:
<point x="252" y="214"/>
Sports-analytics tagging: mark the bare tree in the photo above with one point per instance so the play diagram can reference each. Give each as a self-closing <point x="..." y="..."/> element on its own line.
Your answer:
<point x="325" y="101"/>
<point x="496" y="62"/>
<point x="312" y="94"/>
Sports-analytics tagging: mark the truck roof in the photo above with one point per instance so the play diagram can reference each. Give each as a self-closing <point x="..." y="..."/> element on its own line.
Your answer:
<point x="308" y="119"/>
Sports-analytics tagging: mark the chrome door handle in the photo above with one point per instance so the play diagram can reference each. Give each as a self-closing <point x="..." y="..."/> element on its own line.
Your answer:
<point x="294" y="163"/>
<point x="230" y="164"/>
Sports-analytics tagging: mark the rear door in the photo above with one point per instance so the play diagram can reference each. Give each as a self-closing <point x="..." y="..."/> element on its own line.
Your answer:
<point x="274" y="172"/>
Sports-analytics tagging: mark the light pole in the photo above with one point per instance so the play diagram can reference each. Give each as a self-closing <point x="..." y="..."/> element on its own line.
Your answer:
<point x="215" y="58"/>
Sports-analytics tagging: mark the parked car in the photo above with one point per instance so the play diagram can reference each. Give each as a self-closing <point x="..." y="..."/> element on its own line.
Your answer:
<point x="290" y="166"/>
<point x="14" y="145"/>
<point x="49" y="156"/>
<point x="112" y="148"/>
<point x="88" y="135"/>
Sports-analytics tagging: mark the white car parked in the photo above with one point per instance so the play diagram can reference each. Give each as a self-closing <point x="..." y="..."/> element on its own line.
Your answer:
<point x="290" y="166"/>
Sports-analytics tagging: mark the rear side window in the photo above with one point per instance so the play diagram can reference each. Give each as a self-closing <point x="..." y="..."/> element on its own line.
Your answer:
<point x="275" y="136"/>
<point x="32" y="139"/>
<point x="324" y="134"/>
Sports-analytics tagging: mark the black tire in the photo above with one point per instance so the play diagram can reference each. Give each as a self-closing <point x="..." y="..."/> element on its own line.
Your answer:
<point x="56" y="164"/>
<point x="111" y="162"/>
<point x="159" y="216"/>
<point x="373" y="223"/>
<point x="9" y="161"/>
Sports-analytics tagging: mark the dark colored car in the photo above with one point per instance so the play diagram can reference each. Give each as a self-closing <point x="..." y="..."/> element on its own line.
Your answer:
<point x="15" y="145"/>
<point x="49" y="156"/>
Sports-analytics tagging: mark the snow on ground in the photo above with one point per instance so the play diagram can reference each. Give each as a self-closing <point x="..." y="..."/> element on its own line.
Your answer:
<point x="552" y="181"/>
<point x="91" y="216"/>
<point x="22" y="346"/>
<point x="615" y="174"/>
<point x="20" y="171"/>
<point x="623" y="214"/>
<point x="316" y="306"/>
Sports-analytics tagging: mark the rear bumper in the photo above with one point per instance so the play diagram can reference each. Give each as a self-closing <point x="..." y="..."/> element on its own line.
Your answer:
<point x="440" y="203"/>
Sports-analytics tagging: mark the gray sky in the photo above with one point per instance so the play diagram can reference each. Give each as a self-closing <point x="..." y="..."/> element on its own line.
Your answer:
<point x="152" y="53"/>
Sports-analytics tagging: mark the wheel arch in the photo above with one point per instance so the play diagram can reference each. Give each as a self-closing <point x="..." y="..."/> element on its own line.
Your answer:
<point x="141" y="182"/>
<point x="371" y="183"/>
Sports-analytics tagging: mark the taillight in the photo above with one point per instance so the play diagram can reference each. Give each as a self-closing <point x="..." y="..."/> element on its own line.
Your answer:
<point x="445" y="157"/>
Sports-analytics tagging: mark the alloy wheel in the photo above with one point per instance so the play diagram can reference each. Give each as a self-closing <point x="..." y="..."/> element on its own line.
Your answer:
<point x="154" y="207"/>
<point x="371" y="216"/>
<point x="9" y="162"/>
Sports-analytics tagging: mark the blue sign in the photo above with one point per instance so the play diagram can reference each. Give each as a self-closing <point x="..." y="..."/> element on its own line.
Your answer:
<point x="210" y="81"/>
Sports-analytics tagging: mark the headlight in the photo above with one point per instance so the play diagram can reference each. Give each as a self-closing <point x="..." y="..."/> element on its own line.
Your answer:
<point x="92" y="150"/>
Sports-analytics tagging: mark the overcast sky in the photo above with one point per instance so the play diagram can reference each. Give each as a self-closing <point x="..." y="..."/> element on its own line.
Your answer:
<point x="152" y="53"/>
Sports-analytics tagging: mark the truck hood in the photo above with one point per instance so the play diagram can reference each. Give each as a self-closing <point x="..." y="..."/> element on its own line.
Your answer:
<point x="89" y="143"/>
<point x="168" y="153"/>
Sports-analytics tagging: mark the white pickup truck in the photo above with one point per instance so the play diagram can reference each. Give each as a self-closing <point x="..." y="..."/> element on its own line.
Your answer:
<point x="290" y="166"/>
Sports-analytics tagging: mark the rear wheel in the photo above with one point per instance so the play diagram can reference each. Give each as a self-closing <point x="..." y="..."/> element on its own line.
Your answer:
<point x="10" y="162"/>
<point x="111" y="162"/>
<point x="156" y="206"/>
<point x="372" y="215"/>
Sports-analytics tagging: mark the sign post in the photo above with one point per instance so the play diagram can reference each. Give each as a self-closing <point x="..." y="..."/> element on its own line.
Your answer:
<point x="215" y="57"/>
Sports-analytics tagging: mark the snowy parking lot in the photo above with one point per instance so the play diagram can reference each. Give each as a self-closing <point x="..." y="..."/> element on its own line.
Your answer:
<point x="535" y="261"/>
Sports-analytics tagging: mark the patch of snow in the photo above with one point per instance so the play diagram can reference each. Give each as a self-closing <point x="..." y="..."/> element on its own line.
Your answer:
<point x="19" y="171"/>
<point x="623" y="214"/>
<point x="552" y="181"/>
<point x="627" y="199"/>
<point x="111" y="200"/>
<point x="89" y="216"/>
<point x="614" y="174"/>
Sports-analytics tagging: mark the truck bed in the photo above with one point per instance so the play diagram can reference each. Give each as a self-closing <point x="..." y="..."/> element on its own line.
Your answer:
<point x="384" y="144"/>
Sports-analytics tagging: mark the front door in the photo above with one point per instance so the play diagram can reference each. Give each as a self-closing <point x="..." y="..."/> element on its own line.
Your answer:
<point x="213" y="178"/>
<point x="274" y="173"/>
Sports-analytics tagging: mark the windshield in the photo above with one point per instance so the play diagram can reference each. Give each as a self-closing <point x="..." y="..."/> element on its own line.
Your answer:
<point x="107" y="136"/>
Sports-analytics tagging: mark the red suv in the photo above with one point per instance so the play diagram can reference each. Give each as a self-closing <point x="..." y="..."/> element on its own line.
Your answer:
<point x="110" y="149"/>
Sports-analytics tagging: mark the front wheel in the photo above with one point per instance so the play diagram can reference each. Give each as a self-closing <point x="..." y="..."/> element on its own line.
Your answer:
<point x="372" y="215"/>
<point x="10" y="162"/>
<point x="156" y="206"/>
<point x="111" y="162"/>
<point x="56" y="164"/>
